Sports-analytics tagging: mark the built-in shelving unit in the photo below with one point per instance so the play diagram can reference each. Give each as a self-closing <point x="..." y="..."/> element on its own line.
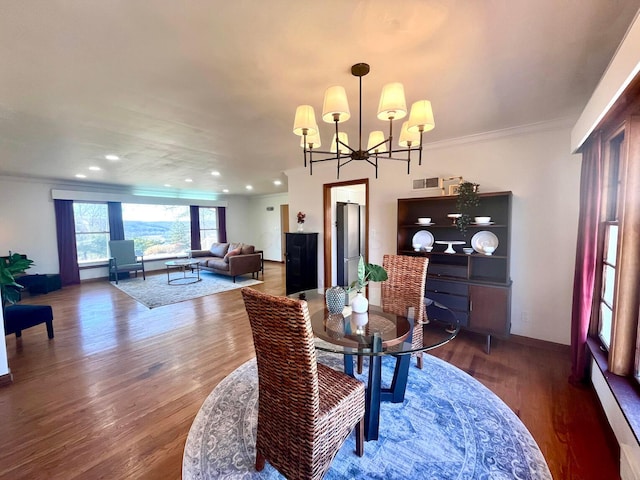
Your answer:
<point x="477" y="286"/>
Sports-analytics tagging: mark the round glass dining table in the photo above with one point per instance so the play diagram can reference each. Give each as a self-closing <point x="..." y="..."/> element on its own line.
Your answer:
<point x="375" y="334"/>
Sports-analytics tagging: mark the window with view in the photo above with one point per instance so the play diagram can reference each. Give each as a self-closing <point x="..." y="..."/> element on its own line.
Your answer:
<point x="208" y="226"/>
<point x="158" y="230"/>
<point x="92" y="231"/>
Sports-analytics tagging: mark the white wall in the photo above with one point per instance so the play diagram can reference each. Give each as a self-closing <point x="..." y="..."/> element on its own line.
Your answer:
<point x="534" y="163"/>
<point x="266" y="230"/>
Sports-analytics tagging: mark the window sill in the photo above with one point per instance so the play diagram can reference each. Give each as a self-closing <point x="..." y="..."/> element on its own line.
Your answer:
<point x="624" y="389"/>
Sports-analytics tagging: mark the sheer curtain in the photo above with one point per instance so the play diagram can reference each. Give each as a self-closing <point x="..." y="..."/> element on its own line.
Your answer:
<point x="586" y="255"/>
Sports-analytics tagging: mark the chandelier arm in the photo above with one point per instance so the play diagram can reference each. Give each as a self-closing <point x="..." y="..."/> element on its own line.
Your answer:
<point x="327" y="159"/>
<point x="373" y="149"/>
<point x="390" y="136"/>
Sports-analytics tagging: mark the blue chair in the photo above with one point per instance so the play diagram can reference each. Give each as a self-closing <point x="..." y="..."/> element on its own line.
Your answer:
<point x="21" y="317"/>
<point x="124" y="259"/>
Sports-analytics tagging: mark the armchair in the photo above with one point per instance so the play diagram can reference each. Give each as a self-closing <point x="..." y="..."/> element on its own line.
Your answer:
<point x="124" y="259"/>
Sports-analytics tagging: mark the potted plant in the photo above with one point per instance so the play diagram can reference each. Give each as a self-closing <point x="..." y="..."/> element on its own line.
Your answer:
<point x="367" y="272"/>
<point x="467" y="199"/>
<point x="9" y="267"/>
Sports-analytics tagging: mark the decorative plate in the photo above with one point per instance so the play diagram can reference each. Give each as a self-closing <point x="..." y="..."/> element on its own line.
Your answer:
<point x="484" y="239"/>
<point x="424" y="238"/>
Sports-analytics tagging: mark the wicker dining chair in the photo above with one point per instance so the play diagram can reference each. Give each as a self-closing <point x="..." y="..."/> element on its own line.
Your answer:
<point x="306" y="410"/>
<point x="405" y="288"/>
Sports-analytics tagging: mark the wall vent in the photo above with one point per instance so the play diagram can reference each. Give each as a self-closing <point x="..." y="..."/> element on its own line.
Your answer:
<point x="420" y="183"/>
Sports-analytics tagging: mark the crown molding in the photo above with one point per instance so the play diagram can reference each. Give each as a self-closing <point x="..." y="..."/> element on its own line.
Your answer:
<point x="538" y="127"/>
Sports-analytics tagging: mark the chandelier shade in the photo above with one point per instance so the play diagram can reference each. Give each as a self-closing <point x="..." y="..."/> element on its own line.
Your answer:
<point x="343" y="147"/>
<point x="312" y="141"/>
<point x="335" y="109"/>
<point x="421" y="117"/>
<point x="305" y="120"/>
<point x="393" y="105"/>
<point x="407" y="137"/>
<point x="335" y="103"/>
<point x="377" y="142"/>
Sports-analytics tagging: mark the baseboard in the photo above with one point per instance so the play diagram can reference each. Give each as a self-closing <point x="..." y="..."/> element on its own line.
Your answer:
<point x="6" y="379"/>
<point x="534" y="342"/>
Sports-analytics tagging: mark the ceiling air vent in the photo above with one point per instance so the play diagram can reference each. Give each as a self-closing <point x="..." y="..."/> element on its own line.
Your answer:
<point x="433" y="182"/>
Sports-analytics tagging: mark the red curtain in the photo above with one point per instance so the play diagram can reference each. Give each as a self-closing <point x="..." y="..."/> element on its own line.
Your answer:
<point x="586" y="255"/>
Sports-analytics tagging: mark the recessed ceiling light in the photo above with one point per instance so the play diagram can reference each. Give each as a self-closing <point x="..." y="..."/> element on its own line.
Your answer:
<point x="249" y="187"/>
<point x="95" y="169"/>
<point x="80" y="175"/>
<point x="277" y="182"/>
<point x="215" y="173"/>
<point x="112" y="157"/>
<point x="188" y="180"/>
<point x="225" y="190"/>
<point x="167" y="184"/>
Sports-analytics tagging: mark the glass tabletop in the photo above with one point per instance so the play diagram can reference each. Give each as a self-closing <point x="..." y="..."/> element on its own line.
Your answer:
<point x="352" y="333"/>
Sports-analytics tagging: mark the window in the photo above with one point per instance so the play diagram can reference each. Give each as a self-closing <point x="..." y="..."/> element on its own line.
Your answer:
<point x="92" y="231"/>
<point x="610" y="208"/>
<point x="158" y="230"/>
<point x="208" y="226"/>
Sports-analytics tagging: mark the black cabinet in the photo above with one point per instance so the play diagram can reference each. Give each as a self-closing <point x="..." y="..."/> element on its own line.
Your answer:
<point x="301" y="261"/>
<point x="475" y="286"/>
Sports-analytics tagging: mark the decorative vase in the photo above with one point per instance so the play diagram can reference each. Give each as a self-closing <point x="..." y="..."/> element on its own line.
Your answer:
<point x="360" y="304"/>
<point x="301" y="227"/>
<point x="335" y="298"/>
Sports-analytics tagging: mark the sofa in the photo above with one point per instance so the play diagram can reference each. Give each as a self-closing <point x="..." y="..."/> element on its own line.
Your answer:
<point x="231" y="259"/>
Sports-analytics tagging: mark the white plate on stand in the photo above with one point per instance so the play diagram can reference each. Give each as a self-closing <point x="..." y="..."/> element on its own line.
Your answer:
<point x="482" y="240"/>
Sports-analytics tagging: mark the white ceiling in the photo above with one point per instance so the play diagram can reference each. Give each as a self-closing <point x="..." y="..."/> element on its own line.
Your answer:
<point x="180" y="88"/>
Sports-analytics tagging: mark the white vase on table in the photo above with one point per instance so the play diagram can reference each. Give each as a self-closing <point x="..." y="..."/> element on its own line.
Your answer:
<point x="360" y="304"/>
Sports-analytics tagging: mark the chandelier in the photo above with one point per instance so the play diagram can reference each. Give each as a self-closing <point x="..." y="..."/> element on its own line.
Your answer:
<point x="335" y="109"/>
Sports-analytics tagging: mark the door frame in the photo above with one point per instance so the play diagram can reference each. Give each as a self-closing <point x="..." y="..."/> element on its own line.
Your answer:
<point x="328" y="228"/>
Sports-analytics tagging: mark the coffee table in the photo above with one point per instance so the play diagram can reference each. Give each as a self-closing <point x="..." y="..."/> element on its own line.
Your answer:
<point x="183" y="265"/>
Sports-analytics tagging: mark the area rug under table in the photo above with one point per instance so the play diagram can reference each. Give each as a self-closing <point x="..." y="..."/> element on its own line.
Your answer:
<point x="156" y="292"/>
<point x="449" y="427"/>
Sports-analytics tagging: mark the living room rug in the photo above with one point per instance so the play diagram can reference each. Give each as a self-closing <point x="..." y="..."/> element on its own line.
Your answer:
<point x="155" y="292"/>
<point x="449" y="427"/>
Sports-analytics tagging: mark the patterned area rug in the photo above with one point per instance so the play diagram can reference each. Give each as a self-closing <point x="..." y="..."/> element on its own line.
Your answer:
<point x="155" y="292"/>
<point x="449" y="427"/>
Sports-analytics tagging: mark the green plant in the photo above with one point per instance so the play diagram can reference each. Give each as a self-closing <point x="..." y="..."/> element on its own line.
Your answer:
<point x="368" y="272"/>
<point x="9" y="267"/>
<point x="467" y="199"/>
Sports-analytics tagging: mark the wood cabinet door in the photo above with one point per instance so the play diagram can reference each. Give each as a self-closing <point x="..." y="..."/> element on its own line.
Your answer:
<point x="489" y="309"/>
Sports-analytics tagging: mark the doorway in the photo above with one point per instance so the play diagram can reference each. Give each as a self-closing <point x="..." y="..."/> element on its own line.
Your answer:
<point x="329" y="195"/>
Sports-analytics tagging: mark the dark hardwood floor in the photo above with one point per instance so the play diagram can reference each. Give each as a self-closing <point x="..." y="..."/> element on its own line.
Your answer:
<point x="114" y="394"/>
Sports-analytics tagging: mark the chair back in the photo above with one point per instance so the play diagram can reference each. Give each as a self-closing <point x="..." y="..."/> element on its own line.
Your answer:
<point x="287" y="368"/>
<point x="123" y="251"/>
<point x="405" y="286"/>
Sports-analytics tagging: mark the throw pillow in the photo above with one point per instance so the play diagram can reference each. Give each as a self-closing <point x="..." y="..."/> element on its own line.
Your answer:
<point x="219" y="249"/>
<point x="247" y="249"/>
<point x="232" y="253"/>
